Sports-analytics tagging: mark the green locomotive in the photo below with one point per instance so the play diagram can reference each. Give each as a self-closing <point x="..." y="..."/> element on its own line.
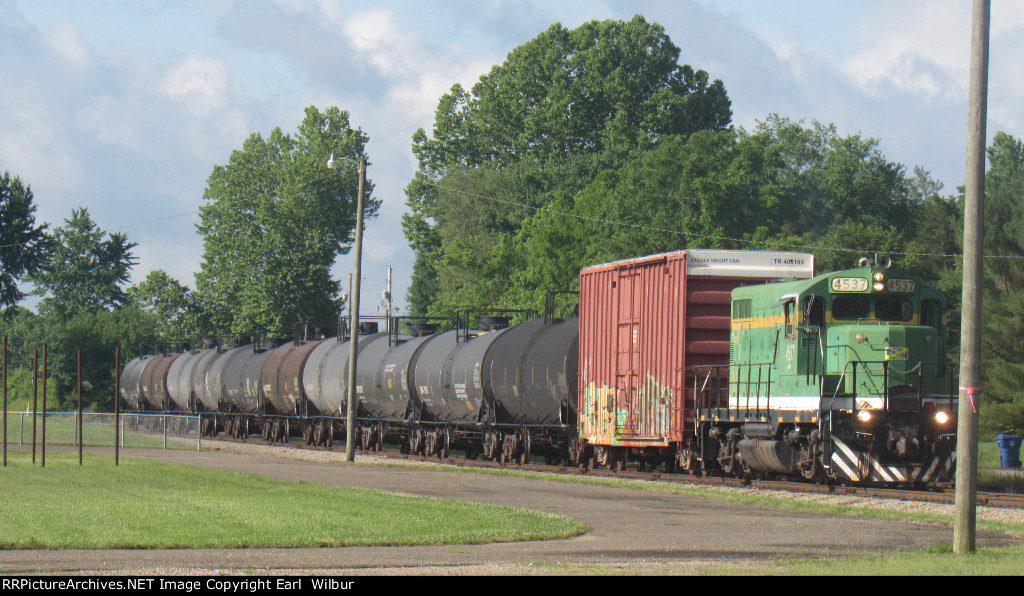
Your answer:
<point x="841" y="377"/>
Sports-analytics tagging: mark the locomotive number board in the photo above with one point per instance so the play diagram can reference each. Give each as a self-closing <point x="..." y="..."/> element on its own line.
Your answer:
<point x="849" y="284"/>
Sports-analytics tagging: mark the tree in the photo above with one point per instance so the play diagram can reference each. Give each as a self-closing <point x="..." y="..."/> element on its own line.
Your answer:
<point x="83" y="271"/>
<point x="22" y="242"/>
<point x="170" y="305"/>
<point x="275" y="222"/>
<point x="1002" y="351"/>
<point x="561" y="109"/>
<point x="833" y="178"/>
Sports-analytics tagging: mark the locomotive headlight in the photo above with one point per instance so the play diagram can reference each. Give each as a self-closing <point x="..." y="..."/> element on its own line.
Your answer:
<point x="879" y="286"/>
<point x="879" y="277"/>
<point x="864" y="416"/>
<point x="941" y="417"/>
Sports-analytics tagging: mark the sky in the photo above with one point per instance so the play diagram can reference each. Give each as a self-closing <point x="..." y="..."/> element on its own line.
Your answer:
<point x="125" y="107"/>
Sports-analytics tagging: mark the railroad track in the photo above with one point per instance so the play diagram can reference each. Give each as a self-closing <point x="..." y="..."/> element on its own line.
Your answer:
<point x="939" y="495"/>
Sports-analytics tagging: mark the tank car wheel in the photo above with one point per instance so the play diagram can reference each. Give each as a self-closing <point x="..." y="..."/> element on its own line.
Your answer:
<point x="380" y="439"/>
<point x="524" y="455"/>
<point x="509" y="448"/>
<point x="490" y="446"/>
<point x="445" y="440"/>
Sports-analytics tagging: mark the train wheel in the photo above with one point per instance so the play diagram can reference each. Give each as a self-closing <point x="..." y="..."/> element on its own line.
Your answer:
<point x="445" y="441"/>
<point x="621" y="459"/>
<point x="524" y="455"/>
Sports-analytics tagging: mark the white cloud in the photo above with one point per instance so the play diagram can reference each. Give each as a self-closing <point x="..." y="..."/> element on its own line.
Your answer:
<point x="199" y="81"/>
<point x="64" y="41"/>
<point x="911" y="48"/>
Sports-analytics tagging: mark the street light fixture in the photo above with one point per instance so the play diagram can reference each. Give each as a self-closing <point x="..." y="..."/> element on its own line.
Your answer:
<point x="350" y="423"/>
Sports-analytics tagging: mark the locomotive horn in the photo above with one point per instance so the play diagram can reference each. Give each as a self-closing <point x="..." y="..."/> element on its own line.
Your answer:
<point x="885" y="262"/>
<point x="864" y="262"/>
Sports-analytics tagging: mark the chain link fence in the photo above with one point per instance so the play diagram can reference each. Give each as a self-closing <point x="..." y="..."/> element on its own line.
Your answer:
<point x="154" y="431"/>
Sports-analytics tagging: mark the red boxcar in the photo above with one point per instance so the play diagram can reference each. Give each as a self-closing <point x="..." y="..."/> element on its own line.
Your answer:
<point x="646" y="322"/>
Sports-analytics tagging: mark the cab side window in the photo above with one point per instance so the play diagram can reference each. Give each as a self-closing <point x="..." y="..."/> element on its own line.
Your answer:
<point x="814" y="311"/>
<point x="931" y="313"/>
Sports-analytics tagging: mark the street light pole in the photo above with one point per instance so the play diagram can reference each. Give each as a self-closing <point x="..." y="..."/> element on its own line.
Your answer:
<point x="350" y="423"/>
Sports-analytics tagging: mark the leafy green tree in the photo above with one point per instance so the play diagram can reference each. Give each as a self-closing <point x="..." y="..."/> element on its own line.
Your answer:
<point x="84" y="269"/>
<point x="83" y="310"/>
<point x="275" y="222"/>
<point x="834" y="178"/>
<point x="169" y="304"/>
<point x="22" y="242"/>
<point x="561" y="109"/>
<point x="1003" y="300"/>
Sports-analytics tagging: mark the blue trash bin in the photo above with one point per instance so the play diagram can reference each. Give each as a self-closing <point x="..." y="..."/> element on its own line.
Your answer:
<point x="1009" y="450"/>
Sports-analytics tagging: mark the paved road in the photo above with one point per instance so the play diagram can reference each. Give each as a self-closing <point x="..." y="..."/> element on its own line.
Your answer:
<point x="638" y="531"/>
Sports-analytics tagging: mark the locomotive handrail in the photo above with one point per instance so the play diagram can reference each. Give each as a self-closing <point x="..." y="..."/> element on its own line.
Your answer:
<point x="885" y="381"/>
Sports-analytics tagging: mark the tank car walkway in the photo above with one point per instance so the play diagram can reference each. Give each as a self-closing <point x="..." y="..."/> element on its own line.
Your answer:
<point x="637" y="531"/>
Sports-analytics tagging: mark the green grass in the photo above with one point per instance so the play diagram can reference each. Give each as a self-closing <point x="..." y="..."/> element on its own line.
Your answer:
<point x="60" y="430"/>
<point x="143" y="504"/>
<point x="937" y="560"/>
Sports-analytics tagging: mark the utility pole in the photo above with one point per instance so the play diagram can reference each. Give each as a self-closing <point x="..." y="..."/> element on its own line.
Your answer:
<point x="353" y="400"/>
<point x="387" y="301"/>
<point x="970" y="329"/>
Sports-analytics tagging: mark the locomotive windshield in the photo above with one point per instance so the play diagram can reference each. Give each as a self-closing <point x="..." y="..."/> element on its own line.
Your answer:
<point x="887" y="308"/>
<point x="851" y="307"/>
<point x="893" y="309"/>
